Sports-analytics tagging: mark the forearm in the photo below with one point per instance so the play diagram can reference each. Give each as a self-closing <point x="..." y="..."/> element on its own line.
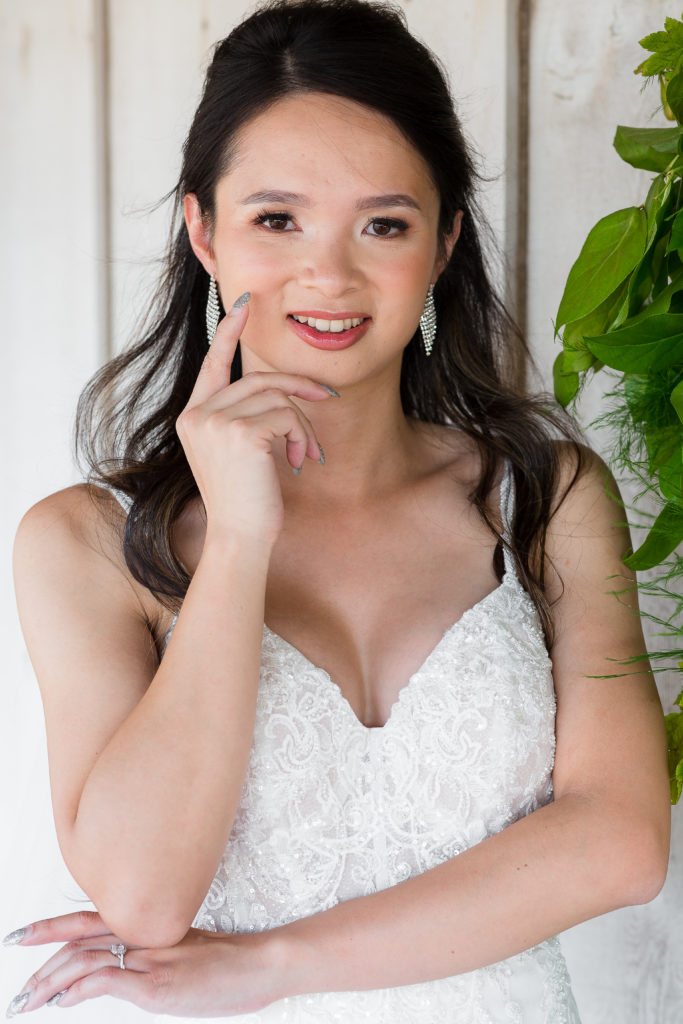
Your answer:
<point x="560" y="865"/>
<point x="158" y="804"/>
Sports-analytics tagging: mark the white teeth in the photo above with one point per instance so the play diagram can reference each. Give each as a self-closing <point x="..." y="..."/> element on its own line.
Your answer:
<point x="333" y="326"/>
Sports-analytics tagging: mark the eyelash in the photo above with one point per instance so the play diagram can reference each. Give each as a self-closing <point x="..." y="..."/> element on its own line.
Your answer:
<point x="264" y="216"/>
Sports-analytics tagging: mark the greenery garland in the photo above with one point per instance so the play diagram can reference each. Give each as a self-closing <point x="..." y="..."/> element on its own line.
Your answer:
<point x="622" y="308"/>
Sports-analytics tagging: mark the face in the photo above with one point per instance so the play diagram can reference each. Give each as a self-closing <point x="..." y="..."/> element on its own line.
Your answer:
<point x="328" y="216"/>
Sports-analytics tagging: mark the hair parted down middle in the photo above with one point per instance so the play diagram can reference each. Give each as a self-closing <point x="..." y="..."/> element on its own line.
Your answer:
<point x="363" y="52"/>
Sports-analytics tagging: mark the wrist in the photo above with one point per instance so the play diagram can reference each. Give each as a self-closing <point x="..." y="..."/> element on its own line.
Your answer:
<point x="221" y="544"/>
<point x="296" y="966"/>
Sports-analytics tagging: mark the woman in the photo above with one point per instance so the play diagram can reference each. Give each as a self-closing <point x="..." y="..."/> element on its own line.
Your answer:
<point x="294" y="650"/>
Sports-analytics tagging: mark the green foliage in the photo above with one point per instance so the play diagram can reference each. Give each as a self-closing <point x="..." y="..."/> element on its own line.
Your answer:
<point x="613" y="248"/>
<point x="622" y="308"/>
<point x="674" y="731"/>
<point x="650" y="149"/>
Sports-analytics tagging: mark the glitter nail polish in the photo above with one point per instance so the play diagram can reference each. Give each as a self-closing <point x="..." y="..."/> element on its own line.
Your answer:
<point x="18" y="1004"/>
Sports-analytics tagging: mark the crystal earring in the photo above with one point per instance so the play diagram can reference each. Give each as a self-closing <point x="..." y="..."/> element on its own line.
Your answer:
<point x="212" y="310"/>
<point x="428" y="321"/>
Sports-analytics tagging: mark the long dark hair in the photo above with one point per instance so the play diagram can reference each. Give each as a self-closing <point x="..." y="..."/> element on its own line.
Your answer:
<point x="125" y="424"/>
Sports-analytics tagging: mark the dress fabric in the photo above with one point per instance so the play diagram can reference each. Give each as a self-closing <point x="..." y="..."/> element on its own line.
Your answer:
<point x="331" y="809"/>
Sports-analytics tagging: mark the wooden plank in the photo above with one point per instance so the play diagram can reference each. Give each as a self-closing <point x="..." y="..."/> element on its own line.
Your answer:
<point x="50" y="280"/>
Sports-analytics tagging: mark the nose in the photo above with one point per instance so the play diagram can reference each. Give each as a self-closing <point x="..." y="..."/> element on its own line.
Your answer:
<point x="329" y="265"/>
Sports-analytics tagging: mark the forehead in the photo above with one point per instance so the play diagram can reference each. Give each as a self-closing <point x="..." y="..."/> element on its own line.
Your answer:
<point x="312" y="142"/>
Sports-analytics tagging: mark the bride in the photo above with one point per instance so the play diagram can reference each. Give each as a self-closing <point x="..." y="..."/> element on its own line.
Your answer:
<point x="325" y="641"/>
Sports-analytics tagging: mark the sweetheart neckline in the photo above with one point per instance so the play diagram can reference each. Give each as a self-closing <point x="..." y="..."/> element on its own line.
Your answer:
<point x="508" y="578"/>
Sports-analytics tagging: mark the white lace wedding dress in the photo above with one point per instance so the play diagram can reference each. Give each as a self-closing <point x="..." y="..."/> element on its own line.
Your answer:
<point x="332" y="809"/>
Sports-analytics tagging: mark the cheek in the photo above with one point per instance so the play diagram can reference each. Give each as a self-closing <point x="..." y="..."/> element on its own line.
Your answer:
<point x="244" y="260"/>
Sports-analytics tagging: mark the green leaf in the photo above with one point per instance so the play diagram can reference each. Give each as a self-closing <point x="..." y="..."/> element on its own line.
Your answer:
<point x="566" y="383"/>
<point x="642" y="280"/>
<point x="598" y="321"/>
<point x="660" y="304"/>
<point x="657" y="205"/>
<point x="653" y="344"/>
<point x="674" y="96"/>
<point x="676" y="237"/>
<point x="655" y="41"/>
<point x="613" y="248"/>
<point x="664" y="537"/>
<point x="670" y="476"/>
<point x="657" y="64"/>
<point x="674" y="30"/>
<point x="677" y="402"/>
<point x="650" y="149"/>
<point x="674" y="735"/>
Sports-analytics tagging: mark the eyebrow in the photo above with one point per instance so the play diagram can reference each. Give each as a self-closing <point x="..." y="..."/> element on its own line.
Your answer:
<point x="368" y="203"/>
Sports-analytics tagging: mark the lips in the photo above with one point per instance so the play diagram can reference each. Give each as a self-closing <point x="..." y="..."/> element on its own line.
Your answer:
<point x="323" y="329"/>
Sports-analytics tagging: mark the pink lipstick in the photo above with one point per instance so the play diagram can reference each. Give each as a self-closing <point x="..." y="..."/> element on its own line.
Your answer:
<point x="349" y="327"/>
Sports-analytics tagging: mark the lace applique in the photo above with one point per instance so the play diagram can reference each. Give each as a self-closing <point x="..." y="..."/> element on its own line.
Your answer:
<point x="331" y="809"/>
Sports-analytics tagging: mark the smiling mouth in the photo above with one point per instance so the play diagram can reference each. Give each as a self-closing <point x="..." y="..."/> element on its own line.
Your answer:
<point x="329" y="326"/>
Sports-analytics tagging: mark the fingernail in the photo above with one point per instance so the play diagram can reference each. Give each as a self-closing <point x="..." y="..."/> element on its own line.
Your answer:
<point x="330" y="391"/>
<point x="17" y="1004"/>
<point x="296" y="470"/>
<point x="239" y="303"/>
<point x="15" y="937"/>
<point x="56" y="997"/>
<point x="321" y="460"/>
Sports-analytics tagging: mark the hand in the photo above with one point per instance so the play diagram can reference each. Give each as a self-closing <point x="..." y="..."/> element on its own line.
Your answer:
<point x="207" y="974"/>
<point x="228" y="431"/>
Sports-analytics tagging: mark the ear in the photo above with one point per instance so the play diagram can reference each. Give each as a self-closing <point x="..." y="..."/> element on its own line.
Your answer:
<point x="447" y="246"/>
<point x="199" y="232"/>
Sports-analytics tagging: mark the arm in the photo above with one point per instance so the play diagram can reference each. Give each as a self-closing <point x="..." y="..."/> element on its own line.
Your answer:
<point x="602" y="844"/>
<point x="144" y="758"/>
<point x="147" y="760"/>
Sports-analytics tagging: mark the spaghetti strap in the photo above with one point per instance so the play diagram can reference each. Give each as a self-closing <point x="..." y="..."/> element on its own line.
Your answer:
<point x="507" y="514"/>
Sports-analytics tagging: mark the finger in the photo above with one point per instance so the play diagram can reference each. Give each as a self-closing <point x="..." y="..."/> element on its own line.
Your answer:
<point x="136" y="987"/>
<point x="259" y="405"/>
<point x="291" y="384"/>
<point x="284" y="423"/>
<point x="214" y="373"/>
<point x="71" y="949"/>
<point x="70" y="978"/>
<point x="80" y="924"/>
<point x="74" y="966"/>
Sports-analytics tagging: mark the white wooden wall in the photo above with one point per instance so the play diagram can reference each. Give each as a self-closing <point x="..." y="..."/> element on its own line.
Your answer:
<point x="95" y="99"/>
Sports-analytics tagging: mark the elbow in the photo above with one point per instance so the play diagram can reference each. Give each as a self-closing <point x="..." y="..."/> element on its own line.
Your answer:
<point x="639" y="864"/>
<point x="148" y="927"/>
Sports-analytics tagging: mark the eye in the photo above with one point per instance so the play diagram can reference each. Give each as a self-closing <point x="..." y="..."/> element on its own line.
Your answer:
<point x="275" y="220"/>
<point x="386" y="227"/>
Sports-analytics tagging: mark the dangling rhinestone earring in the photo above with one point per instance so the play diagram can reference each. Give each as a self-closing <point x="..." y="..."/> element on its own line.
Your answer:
<point x="428" y="321"/>
<point x="212" y="310"/>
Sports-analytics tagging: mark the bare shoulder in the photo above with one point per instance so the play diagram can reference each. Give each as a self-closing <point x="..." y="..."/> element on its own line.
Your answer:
<point x="73" y="518"/>
<point x="588" y="533"/>
<point x="68" y="554"/>
<point x="72" y="537"/>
